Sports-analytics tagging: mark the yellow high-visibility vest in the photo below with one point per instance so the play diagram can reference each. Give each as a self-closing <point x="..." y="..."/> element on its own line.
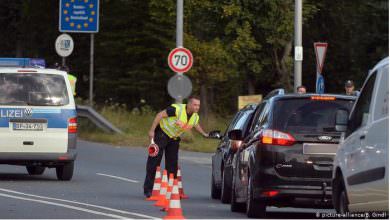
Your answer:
<point x="72" y="80"/>
<point x="176" y="125"/>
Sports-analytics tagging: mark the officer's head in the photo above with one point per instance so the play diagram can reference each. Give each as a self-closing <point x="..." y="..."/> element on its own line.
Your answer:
<point x="193" y="104"/>
<point x="301" y="89"/>
<point x="349" y="87"/>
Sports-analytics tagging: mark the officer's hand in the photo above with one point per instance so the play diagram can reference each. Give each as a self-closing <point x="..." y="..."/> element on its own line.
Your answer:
<point x="151" y="135"/>
<point x="206" y="135"/>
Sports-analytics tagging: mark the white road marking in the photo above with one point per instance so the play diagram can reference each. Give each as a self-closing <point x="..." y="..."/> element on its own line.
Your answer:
<point x="198" y="160"/>
<point x="118" y="177"/>
<point x="81" y="203"/>
<point x="62" y="205"/>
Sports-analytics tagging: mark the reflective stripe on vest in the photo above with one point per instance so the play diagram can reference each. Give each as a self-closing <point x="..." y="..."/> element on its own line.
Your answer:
<point x="176" y="125"/>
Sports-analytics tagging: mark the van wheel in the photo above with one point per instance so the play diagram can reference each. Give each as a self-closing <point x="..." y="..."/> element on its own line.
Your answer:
<point x="343" y="204"/>
<point x="254" y="208"/>
<point x="65" y="172"/>
<point x="225" y="189"/>
<point x="340" y="201"/>
<point x="35" y="170"/>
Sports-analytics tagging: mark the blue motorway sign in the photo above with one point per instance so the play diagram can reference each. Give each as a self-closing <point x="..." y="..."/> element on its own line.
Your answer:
<point x="320" y="85"/>
<point x="79" y="16"/>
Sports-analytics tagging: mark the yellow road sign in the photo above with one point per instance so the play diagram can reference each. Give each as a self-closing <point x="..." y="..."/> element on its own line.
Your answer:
<point x="248" y="99"/>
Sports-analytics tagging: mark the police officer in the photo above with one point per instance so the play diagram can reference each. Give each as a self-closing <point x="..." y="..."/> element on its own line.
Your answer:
<point x="72" y="78"/>
<point x="166" y="129"/>
<point x="350" y="88"/>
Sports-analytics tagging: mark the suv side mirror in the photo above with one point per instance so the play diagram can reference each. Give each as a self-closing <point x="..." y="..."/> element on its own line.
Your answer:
<point x="215" y="134"/>
<point x="235" y="134"/>
<point x="341" y="120"/>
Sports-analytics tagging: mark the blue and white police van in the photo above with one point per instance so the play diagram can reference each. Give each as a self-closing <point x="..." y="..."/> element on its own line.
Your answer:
<point x="38" y="119"/>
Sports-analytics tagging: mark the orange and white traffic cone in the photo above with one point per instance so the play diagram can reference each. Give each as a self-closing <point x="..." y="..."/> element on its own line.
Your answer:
<point x="175" y="211"/>
<point x="163" y="191"/>
<point x="181" y="190"/>
<point x="156" y="186"/>
<point x="169" y="192"/>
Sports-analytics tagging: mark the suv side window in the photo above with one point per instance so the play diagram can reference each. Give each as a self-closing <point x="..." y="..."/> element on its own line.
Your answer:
<point x="231" y="125"/>
<point x="361" y="111"/>
<point x="382" y="98"/>
<point x="264" y="116"/>
<point x="256" y="116"/>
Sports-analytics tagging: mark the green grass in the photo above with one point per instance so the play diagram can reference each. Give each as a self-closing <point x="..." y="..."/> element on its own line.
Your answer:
<point x="136" y="125"/>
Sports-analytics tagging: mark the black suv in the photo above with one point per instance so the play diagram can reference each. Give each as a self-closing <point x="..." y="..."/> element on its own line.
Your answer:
<point x="289" y="153"/>
<point x="221" y="177"/>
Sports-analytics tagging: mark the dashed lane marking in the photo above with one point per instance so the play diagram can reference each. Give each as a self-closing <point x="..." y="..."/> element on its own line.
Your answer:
<point x="74" y="202"/>
<point x="63" y="205"/>
<point x="118" y="177"/>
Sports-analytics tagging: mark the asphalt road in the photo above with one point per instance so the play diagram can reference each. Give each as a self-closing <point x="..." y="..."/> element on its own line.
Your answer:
<point x="108" y="184"/>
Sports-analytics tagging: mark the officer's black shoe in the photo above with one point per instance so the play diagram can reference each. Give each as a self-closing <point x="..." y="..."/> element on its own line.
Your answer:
<point x="147" y="194"/>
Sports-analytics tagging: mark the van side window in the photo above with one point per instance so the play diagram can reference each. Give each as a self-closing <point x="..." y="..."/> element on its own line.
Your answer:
<point x="382" y="99"/>
<point x="361" y="111"/>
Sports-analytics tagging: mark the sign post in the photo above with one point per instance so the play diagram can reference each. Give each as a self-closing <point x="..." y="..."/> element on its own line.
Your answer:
<point x="81" y="17"/>
<point x="320" y="51"/>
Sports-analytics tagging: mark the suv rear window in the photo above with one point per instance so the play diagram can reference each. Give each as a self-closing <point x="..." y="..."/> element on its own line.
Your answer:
<point x="34" y="89"/>
<point x="306" y="115"/>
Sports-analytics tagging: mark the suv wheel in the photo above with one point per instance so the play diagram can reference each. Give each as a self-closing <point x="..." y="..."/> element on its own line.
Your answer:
<point x="35" y="170"/>
<point x="65" y="172"/>
<point x="215" y="192"/>
<point x="225" y="189"/>
<point x="254" y="208"/>
<point x="235" y="206"/>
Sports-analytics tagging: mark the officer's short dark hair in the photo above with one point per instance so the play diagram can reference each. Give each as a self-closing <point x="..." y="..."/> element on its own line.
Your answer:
<point x="349" y="83"/>
<point x="193" y="97"/>
<point x="304" y="87"/>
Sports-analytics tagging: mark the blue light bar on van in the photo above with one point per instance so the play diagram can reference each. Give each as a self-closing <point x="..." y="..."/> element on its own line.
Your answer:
<point x="22" y="62"/>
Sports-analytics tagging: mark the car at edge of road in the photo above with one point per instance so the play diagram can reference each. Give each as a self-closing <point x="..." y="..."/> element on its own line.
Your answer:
<point x="361" y="172"/>
<point x="221" y="177"/>
<point x="38" y="119"/>
<point x="289" y="153"/>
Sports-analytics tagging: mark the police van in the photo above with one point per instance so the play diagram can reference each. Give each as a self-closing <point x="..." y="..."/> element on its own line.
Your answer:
<point x="38" y="119"/>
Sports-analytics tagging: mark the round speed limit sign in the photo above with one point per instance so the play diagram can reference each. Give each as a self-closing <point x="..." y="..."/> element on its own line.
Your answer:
<point x="180" y="60"/>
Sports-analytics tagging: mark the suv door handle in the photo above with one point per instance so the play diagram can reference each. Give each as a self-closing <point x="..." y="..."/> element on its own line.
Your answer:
<point x="362" y="137"/>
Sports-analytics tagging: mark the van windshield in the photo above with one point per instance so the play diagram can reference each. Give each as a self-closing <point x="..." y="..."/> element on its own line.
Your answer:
<point x="306" y="115"/>
<point x="35" y="89"/>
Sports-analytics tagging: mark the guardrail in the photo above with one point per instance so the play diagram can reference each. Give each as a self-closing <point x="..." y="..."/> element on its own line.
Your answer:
<point x="96" y="118"/>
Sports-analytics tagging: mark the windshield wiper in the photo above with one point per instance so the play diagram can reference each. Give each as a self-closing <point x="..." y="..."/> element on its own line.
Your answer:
<point x="43" y="104"/>
<point x="328" y="129"/>
<point x="14" y="103"/>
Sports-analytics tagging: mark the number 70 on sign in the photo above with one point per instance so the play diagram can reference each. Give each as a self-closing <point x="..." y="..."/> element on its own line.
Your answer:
<point x="180" y="60"/>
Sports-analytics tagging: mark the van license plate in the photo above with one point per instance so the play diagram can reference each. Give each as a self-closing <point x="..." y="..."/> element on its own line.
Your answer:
<point x="28" y="126"/>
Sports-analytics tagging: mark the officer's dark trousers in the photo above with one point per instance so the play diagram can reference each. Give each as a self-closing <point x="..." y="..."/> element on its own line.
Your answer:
<point x="171" y="148"/>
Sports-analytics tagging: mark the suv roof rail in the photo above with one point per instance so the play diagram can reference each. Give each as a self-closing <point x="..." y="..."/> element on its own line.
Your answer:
<point x="275" y="92"/>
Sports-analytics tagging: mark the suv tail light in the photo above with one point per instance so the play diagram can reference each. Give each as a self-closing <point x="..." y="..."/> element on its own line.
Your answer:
<point x="275" y="137"/>
<point x="72" y="125"/>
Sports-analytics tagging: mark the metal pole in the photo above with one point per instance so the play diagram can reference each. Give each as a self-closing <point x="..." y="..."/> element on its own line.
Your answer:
<point x="179" y="24"/>
<point x="91" y="72"/>
<point x="63" y="61"/>
<point x="298" y="43"/>
<point x="179" y="31"/>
